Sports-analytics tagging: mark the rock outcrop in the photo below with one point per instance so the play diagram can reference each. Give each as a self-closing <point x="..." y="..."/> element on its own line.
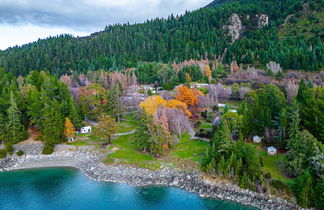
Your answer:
<point x="235" y="28"/>
<point x="263" y="20"/>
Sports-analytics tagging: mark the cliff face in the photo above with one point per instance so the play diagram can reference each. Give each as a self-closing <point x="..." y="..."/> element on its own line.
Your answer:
<point x="236" y="28"/>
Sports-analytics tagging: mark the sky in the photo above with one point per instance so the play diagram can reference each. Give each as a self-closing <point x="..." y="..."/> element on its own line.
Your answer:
<point x="24" y="21"/>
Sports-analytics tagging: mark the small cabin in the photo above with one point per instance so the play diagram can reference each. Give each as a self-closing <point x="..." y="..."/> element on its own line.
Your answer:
<point x="71" y="139"/>
<point x="86" y="129"/>
<point x="257" y="139"/>
<point x="272" y="151"/>
<point x="221" y="105"/>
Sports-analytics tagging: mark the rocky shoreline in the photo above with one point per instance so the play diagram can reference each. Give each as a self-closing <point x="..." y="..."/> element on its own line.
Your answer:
<point x="89" y="163"/>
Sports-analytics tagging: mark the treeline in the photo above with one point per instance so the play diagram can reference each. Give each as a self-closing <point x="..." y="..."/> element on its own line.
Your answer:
<point x="190" y="36"/>
<point x="294" y="126"/>
<point x="38" y="100"/>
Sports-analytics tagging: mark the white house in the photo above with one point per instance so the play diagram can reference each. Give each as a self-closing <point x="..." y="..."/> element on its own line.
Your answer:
<point x="233" y="110"/>
<point x="221" y="105"/>
<point x="86" y="129"/>
<point x="272" y="151"/>
<point x="71" y="139"/>
<point x="257" y="139"/>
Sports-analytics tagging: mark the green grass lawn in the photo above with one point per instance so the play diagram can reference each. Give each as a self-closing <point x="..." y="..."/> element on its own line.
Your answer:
<point x="78" y="143"/>
<point x="274" y="165"/>
<point x="206" y="125"/>
<point x="189" y="149"/>
<point x="126" y="150"/>
<point x="128" y="125"/>
<point x="231" y="102"/>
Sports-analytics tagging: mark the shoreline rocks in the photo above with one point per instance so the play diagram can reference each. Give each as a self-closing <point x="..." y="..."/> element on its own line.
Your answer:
<point x="89" y="163"/>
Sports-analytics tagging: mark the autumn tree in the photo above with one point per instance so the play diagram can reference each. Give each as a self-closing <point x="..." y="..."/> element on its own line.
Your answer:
<point x="207" y="71"/>
<point x="185" y="95"/>
<point x="150" y="137"/>
<point x="151" y="104"/>
<point x="69" y="129"/>
<point x="92" y="100"/>
<point x="106" y="127"/>
<point x="173" y="103"/>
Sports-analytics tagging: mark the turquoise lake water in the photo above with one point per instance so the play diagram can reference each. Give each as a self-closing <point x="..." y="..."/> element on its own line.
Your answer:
<point x="64" y="188"/>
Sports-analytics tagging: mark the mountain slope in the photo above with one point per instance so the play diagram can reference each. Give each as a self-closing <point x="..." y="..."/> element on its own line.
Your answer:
<point x="190" y="36"/>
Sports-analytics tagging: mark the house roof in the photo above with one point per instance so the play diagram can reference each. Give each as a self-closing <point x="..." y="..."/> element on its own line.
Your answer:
<point x="256" y="137"/>
<point x="272" y="148"/>
<point x="85" y="127"/>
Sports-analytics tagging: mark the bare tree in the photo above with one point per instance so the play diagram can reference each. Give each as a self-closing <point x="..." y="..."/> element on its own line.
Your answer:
<point x="291" y="89"/>
<point x="242" y="91"/>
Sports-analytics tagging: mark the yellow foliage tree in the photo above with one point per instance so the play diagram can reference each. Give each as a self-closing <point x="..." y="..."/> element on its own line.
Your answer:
<point x="188" y="78"/>
<point x="207" y="71"/>
<point x="187" y="96"/>
<point x="69" y="131"/>
<point x="173" y="103"/>
<point x="152" y="103"/>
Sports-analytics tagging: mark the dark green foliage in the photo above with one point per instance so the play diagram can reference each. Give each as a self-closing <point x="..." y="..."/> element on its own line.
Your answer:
<point x="9" y="148"/>
<point x="236" y="161"/>
<point x="15" y="130"/>
<point x="304" y="190"/>
<point x="262" y="111"/>
<point x="279" y="185"/>
<point x="150" y="137"/>
<point x="114" y="106"/>
<point x="48" y="149"/>
<point x="3" y="153"/>
<point x="20" y="153"/>
<point x="52" y="123"/>
<point x="311" y="102"/>
<point x="191" y="36"/>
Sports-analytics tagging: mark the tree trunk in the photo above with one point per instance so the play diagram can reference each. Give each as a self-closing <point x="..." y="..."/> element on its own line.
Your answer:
<point x="109" y="140"/>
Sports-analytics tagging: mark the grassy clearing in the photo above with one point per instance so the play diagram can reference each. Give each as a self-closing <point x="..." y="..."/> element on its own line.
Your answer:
<point x="206" y="125"/>
<point x="189" y="149"/>
<point x="126" y="150"/>
<point x="128" y="125"/>
<point x="231" y="102"/>
<point x="78" y="143"/>
<point x="274" y="165"/>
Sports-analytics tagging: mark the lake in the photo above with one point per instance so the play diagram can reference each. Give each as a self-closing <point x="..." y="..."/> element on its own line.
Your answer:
<point x="66" y="188"/>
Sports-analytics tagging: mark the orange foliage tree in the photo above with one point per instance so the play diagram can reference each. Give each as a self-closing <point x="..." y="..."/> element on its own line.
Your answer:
<point x="187" y="96"/>
<point x="69" y="129"/>
<point x="173" y="103"/>
<point x="151" y="104"/>
<point x="207" y="72"/>
<point x="197" y="92"/>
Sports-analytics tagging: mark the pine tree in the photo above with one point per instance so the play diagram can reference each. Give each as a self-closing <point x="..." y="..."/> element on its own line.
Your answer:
<point x="53" y="123"/>
<point x="14" y="127"/>
<point x="303" y="188"/>
<point x="74" y="114"/>
<point x="3" y="132"/>
<point x="114" y="106"/>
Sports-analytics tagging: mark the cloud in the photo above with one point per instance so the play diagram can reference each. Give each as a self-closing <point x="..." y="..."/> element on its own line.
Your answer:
<point x="82" y="14"/>
<point x="23" y="21"/>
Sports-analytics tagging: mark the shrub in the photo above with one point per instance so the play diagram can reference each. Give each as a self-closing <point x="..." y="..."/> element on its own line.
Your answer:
<point x="48" y="149"/>
<point x="3" y="153"/>
<point x="9" y="148"/>
<point x="20" y="153"/>
<point x="279" y="185"/>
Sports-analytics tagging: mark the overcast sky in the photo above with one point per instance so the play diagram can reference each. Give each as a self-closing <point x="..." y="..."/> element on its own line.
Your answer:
<point x="24" y="21"/>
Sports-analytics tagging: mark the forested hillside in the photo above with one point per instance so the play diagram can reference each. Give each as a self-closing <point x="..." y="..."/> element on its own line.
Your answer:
<point x="201" y="33"/>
